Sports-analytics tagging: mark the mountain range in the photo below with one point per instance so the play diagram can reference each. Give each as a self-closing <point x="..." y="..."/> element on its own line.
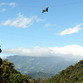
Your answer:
<point x="33" y="65"/>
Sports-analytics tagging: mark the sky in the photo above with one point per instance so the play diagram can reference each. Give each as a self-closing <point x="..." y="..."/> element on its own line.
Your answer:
<point x="25" y="30"/>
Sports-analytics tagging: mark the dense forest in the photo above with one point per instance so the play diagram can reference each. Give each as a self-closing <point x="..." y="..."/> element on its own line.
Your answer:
<point x="72" y="74"/>
<point x="8" y="74"/>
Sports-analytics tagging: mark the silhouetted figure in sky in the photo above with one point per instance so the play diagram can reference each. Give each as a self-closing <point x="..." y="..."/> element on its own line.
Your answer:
<point x="46" y="10"/>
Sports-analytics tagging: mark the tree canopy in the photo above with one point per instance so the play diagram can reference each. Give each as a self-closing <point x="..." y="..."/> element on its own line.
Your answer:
<point x="72" y="74"/>
<point x="8" y="74"/>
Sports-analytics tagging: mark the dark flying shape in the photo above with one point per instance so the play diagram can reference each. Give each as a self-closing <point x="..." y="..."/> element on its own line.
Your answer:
<point x="46" y="10"/>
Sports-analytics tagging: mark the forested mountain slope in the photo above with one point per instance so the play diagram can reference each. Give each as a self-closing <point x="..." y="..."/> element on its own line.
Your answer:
<point x="72" y="74"/>
<point x="8" y="74"/>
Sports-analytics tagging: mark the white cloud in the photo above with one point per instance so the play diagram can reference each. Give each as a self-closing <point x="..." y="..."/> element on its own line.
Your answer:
<point x="74" y="50"/>
<point x="12" y="4"/>
<point x="75" y="29"/>
<point x="3" y="10"/>
<point x="70" y="51"/>
<point x="21" y="21"/>
<point x="37" y="51"/>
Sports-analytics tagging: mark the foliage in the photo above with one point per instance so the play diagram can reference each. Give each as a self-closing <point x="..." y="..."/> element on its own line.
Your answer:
<point x="8" y="74"/>
<point x="0" y="50"/>
<point x="73" y="74"/>
<point x="37" y="74"/>
<point x="26" y="77"/>
<point x="0" y="61"/>
<point x="15" y="78"/>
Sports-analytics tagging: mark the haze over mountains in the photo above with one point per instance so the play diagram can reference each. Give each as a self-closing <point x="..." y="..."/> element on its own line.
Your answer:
<point x="30" y="64"/>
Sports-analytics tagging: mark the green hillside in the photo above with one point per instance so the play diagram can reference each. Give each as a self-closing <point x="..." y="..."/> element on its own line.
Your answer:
<point x="34" y="75"/>
<point x="8" y="74"/>
<point x="72" y="74"/>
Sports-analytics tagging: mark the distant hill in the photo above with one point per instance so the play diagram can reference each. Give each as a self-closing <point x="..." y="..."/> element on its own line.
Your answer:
<point x="72" y="74"/>
<point x="51" y="65"/>
<point x="37" y="74"/>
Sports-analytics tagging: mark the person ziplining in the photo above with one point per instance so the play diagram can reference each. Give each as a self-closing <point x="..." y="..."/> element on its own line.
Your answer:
<point x="45" y="10"/>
